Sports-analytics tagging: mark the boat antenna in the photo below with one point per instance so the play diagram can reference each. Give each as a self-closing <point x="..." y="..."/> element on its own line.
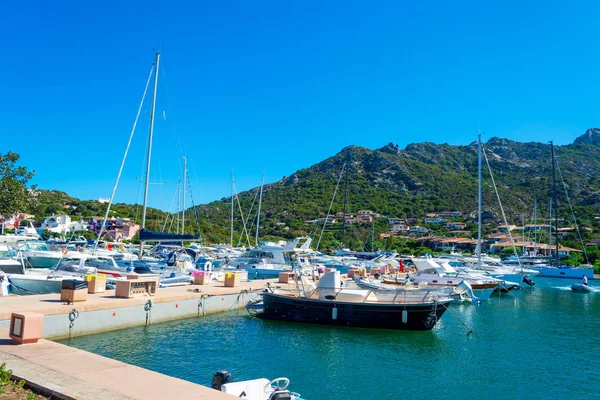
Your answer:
<point x="555" y="202"/>
<point x="112" y="196"/>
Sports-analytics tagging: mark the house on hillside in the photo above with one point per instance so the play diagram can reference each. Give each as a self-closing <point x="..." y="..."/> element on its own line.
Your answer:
<point x="399" y="228"/>
<point x="393" y="221"/>
<point x="57" y="223"/>
<point x="448" y="214"/>
<point x="455" y="225"/>
<point x="434" y="220"/>
<point x="505" y="228"/>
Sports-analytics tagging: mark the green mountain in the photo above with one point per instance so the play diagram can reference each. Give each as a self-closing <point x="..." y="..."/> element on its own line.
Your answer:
<point x="394" y="182"/>
<point x="419" y="179"/>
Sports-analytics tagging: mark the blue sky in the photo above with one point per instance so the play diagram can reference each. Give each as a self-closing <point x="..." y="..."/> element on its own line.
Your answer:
<point x="273" y="86"/>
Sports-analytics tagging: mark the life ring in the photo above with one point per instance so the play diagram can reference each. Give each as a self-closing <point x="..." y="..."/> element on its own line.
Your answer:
<point x="65" y="250"/>
<point x="208" y="266"/>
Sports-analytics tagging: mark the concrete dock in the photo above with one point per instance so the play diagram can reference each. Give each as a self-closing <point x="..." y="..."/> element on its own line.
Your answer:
<point x="70" y="373"/>
<point x="103" y="311"/>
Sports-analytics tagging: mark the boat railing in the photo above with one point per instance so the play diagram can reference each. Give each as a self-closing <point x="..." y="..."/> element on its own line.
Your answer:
<point x="400" y="296"/>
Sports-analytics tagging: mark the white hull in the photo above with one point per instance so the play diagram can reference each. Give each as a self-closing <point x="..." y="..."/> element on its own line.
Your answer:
<point x="26" y="284"/>
<point x="571" y="273"/>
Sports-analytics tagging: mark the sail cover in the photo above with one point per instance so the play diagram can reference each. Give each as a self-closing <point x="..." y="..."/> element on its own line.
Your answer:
<point x="149" y="236"/>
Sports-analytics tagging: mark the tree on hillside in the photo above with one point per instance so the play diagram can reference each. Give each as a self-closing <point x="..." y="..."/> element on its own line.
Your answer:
<point x="14" y="195"/>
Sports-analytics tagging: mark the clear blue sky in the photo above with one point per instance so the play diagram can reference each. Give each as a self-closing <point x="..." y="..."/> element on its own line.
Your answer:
<point x="276" y="86"/>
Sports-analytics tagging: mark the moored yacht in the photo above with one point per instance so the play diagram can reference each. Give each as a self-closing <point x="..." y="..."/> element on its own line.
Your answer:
<point x="329" y="303"/>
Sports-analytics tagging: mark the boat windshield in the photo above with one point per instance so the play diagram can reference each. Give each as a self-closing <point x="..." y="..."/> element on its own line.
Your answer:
<point x="69" y="265"/>
<point x="36" y="246"/>
<point x="101" y="263"/>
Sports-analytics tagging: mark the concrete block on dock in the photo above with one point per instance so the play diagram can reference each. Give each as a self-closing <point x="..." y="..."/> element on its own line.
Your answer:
<point x="201" y="277"/>
<point x="96" y="283"/>
<point x="232" y="279"/>
<point x="73" y="290"/>
<point x="286" y="277"/>
<point x="27" y="327"/>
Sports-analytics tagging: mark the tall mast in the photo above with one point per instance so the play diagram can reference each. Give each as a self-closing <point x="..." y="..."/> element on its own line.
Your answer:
<point x="157" y="61"/>
<point x="178" y="204"/>
<point x="372" y="234"/>
<point x="184" y="188"/>
<point x="231" y="241"/>
<point x="535" y="226"/>
<point x="523" y="234"/>
<point x="555" y="202"/>
<point x="345" y="198"/>
<point x="479" y="200"/>
<point x="550" y="228"/>
<point x="262" y="181"/>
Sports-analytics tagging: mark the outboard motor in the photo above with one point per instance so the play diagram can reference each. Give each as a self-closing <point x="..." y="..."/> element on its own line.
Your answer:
<point x="465" y="287"/>
<point x="220" y="378"/>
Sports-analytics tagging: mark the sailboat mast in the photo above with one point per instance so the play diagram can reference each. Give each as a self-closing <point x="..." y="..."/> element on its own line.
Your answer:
<point x="178" y="204"/>
<point x="183" y="205"/>
<point x="231" y="240"/>
<point x="535" y="226"/>
<point x="555" y="202"/>
<point x="345" y="198"/>
<point x="262" y="181"/>
<point x="372" y="234"/>
<point x="479" y="200"/>
<point x="147" y="182"/>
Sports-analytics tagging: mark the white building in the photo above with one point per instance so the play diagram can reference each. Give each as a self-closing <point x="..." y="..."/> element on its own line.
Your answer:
<point x="57" y="223"/>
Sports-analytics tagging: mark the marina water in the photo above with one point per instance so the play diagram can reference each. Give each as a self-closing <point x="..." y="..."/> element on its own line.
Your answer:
<point x="538" y="344"/>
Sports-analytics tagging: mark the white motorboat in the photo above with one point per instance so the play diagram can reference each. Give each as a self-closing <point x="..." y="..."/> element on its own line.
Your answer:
<point x="43" y="281"/>
<point x="431" y="273"/>
<point x="254" y="389"/>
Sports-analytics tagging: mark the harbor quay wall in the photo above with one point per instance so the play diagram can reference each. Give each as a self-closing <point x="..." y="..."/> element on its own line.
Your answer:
<point x="104" y="312"/>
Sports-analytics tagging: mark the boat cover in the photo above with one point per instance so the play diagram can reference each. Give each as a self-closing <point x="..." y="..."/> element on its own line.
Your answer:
<point x="149" y="236"/>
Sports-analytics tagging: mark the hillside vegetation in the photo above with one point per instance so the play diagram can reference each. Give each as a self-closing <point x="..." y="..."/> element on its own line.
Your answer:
<point x="412" y="182"/>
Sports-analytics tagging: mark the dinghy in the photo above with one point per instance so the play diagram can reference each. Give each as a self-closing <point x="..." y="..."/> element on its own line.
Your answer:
<point x="581" y="288"/>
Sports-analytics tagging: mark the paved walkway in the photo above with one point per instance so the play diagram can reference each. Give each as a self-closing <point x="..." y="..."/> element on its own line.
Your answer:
<point x="70" y="373"/>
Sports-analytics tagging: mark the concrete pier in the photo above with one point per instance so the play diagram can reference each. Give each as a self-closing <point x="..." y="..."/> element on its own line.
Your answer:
<point x="103" y="312"/>
<point x="70" y="373"/>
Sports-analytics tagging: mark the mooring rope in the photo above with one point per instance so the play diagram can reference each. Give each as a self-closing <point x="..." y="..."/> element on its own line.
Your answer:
<point x="469" y="329"/>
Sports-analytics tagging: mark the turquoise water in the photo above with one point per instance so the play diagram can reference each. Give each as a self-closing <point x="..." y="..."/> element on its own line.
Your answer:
<point x="540" y="345"/>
